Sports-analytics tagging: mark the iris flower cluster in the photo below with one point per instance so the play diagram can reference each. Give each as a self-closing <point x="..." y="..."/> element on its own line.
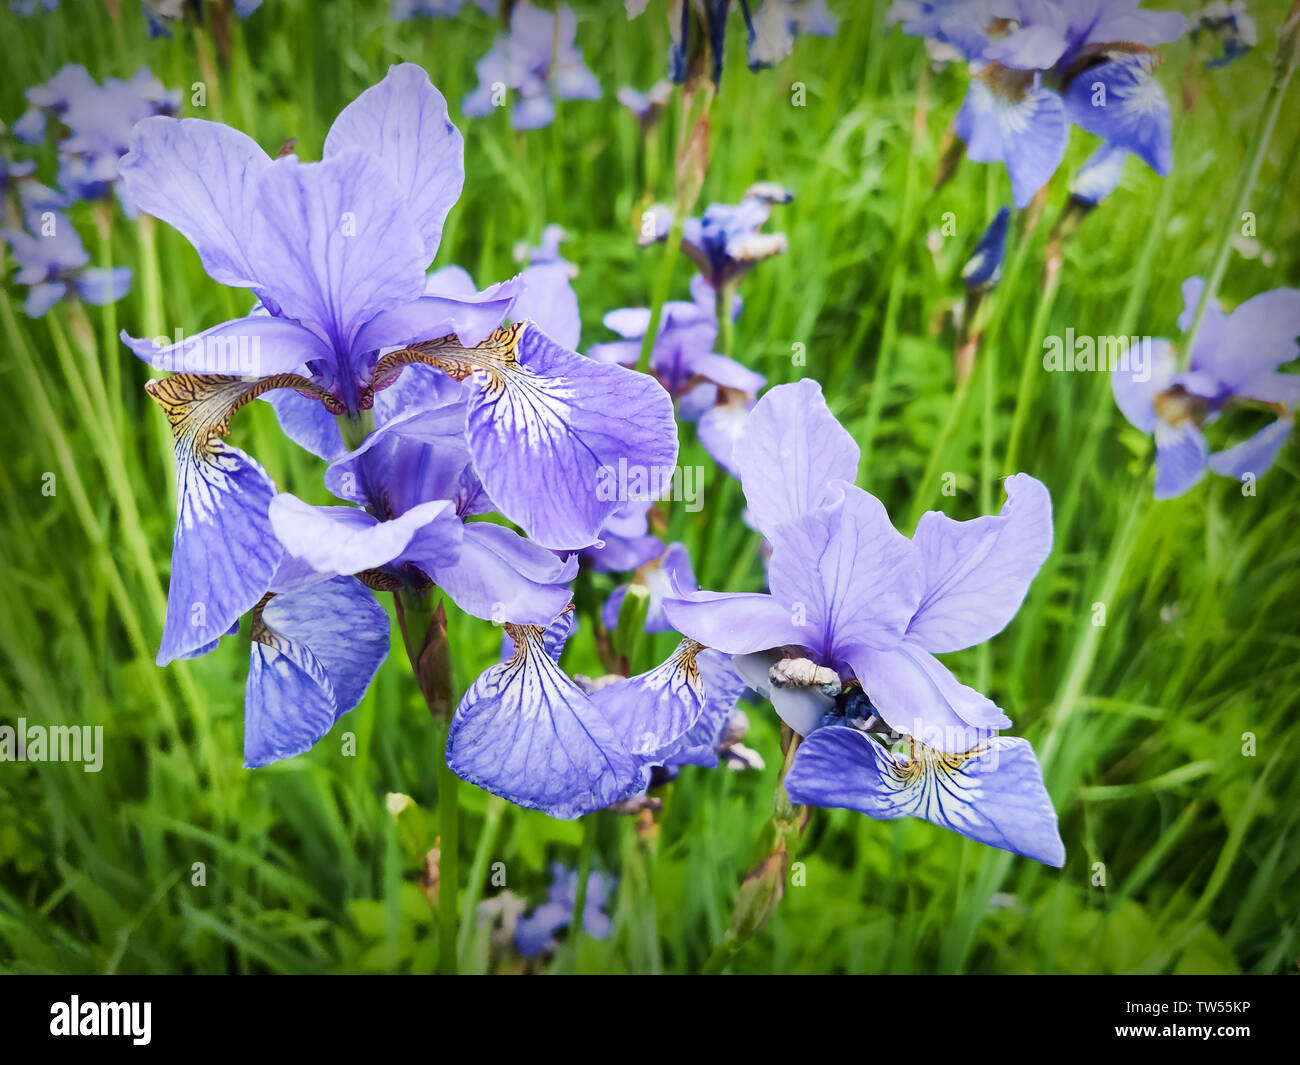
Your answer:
<point x="475" y="420"/>
<point x="1040" y="66"/>
<point x="1235" y="362"/>
<point x="94" y="123"/>
<point x="535" y="62"/>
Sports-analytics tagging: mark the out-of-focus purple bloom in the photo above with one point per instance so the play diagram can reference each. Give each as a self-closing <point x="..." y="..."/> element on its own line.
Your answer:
<point x="535" y="933"/>
<point x="548" y="297"/>
<point x="28" y="7"/>
<point x="536" y="59"/>
<point x="776" y="24"/>
<point x="984" y="267"/>
<point x="711" y="389"/>
<point x="336" y="253"/>
<point x="627" y="542"/>
<point x="649" y="105"/>
<point x="97" y="121"/>
<point x="1041" y="65"/>
<point x="725" y="242"/>
<point x="662" y="577"/>
<point x="1237" y="358"/>
<point x="1231" y="25"/>
<point x="855" y="617"/>
<point x="161" y="15"/>
<point x="53" y="264"/>
<point x="1100" y="175"/>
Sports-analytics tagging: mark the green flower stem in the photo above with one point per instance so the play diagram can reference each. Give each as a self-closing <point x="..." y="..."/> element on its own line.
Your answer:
<point x="725" y="296"/>
<point x="585" y="854"/>
<point x="662" y="284"/>
<point x="763" y="886"/>
<point x="424" y="632"/>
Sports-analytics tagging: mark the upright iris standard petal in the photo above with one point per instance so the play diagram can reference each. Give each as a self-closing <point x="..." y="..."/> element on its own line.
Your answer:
<point x="790" y="449"/>
<point x="336" y="242"/>
<point x="1122" y="102"/>
<point x="847" y="575"/>
<point x="1004" y="120"/>
<point x="549" y="429"/>
<point x="993" y="794"/>
<point x="313" y="655"/>
<point x="404" y="121"/>
<point x="199" y="177"/>
<point x="978" y="572"/>
<point x="526" y="732"/>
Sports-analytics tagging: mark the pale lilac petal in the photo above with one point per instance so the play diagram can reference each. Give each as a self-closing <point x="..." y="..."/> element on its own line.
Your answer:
<point x="255" y="346"/>
<point x="653" y="712"/>
<point x="1255" y="455"/>
<point x="311" y="661"/>
<point x="801" y="708"/>
<point x="790" y="450"/>
<point x="737" y="623"/>
<point x="1182" y="457"/>
<point x="548" y="299"/>
<point x="335" y="242"/>
<point x="200" y="177"/>
<point x="346" y="540"/>
<point x="224" y="552"/>
<point x="404" y="121"/>
<point x="978" y="572"/>
<point x="499" y="576"/>
<point x="918" y="696"/>
<point x="851" y="577"/>
<point x="472" y="318"/>
<point x="1136" y="387"/>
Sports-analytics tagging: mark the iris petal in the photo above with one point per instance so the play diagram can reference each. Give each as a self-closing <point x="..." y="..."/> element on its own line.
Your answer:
<point x="526" y="732"/>
<point x="993" y="794"/>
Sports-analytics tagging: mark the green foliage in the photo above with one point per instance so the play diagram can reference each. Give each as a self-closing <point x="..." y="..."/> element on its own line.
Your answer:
<point x="1183" y="852"/>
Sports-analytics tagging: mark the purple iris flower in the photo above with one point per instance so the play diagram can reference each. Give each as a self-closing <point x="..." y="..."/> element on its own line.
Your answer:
<point x="536" y="58"/>
<point x="1099" y="176"/>
<point x="160" y="15"/>
<point x="97" y="120"/>
<point x="984" y="267"/>
<point x="1236" y="362"/>
<point x="776" y="24"/>
<point x="663" y="576"/>
<point x="53" y="264"/>
<point x="1042" y="65"/>
<point x="844" y="644"/>
<point x="726" y="242"/>
<point x="1231" y="26"/>
<point x="646" y="106"/>
<point x="626" y="541"/>
<point x="535" y="933"/>
<point x="711" y="389"/>
<point x="336" y="253"/>
<point x="28" y="7"/>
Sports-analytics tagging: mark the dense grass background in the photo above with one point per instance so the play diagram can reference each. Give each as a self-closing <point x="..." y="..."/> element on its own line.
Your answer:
<point x="1140" y="722"/>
